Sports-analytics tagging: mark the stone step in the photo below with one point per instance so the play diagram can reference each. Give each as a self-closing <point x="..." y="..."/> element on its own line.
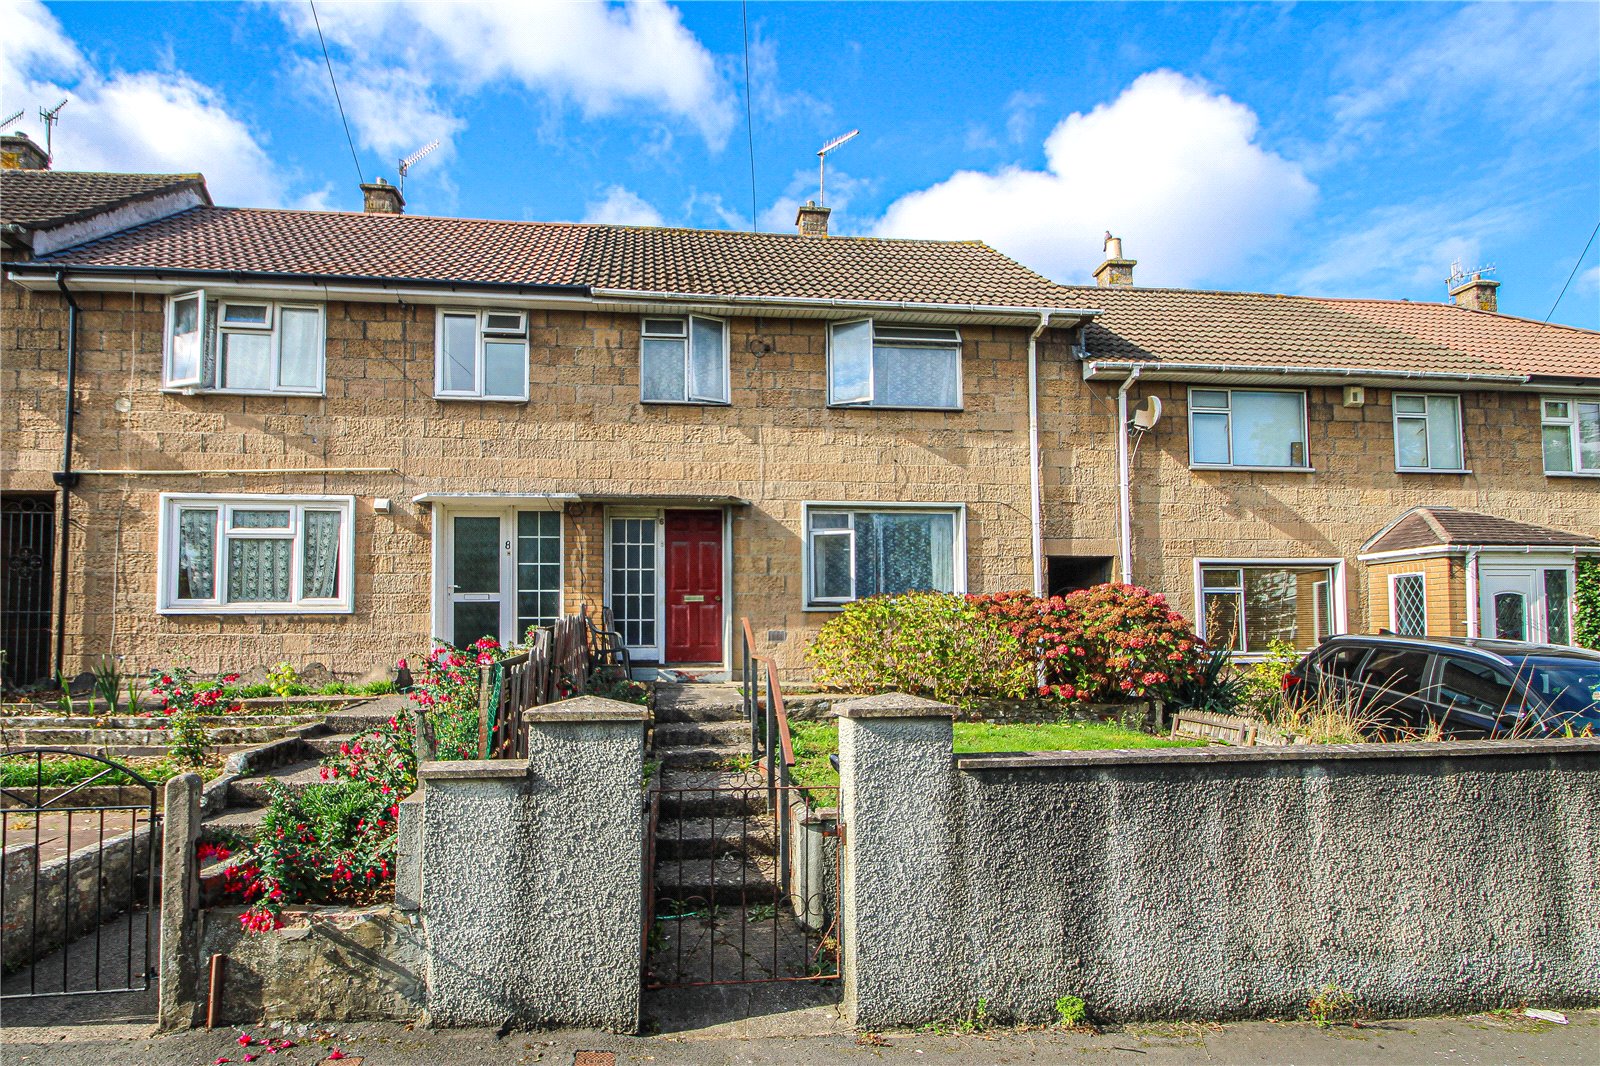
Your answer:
<point x="368" y="717"/>
<point x="233" y="823"/>
<point x="135" y="751"/>
<point x="695" y="793"/>
<point x="729" y="881"/>
<point x="734" y="735"/>
<point x="80" y="736"/>
<point x="328" y="743"/>
<point x="252" y="791"/>
<point x="706" y="837"/>
<point x="698" y="703"/>
<point x="702" y="756"/>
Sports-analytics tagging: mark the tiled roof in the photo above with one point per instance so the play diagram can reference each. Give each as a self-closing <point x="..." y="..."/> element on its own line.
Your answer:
<point x="1265" y="330"/>
<point x="1431" y="527"/>
<point x="40" y="199"/>
<point x="701" y="262"/>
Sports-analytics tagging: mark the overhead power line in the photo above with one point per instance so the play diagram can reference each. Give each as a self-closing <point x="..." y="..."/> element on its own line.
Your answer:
<point x="360" y="178"/>
<point x="749" y="125"/>
<point x="1574" y="273"/>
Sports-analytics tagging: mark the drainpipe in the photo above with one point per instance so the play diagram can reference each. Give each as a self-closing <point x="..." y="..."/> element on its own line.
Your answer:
<point x="1124" y="494"/>
<point x="1035" y="473"/>
<point x="65" y="476"/>
<point x="1473" y="623"/>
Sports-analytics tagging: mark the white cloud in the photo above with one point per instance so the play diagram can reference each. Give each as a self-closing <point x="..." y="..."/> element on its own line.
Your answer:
<point x="116" y="120"/>
<point x="1171" y="166"/>
<point x="802" y="187"/>
<point x="1405" y="247"/>
<point x="603" y="59"/>
<point x="622" y="207"/>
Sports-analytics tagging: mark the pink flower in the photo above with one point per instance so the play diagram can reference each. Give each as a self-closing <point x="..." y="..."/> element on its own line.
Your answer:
<point x="335" y="1054"/>
<point x="245" y="1040"/>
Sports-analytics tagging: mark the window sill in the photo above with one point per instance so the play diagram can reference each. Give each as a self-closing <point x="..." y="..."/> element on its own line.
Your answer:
<point x="456" y="397"/>
<point x="1256" y="469"/>
<point x="824" y="608"/>
<point x="889" y="407"/>
<point x="686" y="403"/>
<point x="1572" y="473"/>
<point x="241" y="610"/>
<point x="195" y="390"/>
<point x="1429" y="470"/>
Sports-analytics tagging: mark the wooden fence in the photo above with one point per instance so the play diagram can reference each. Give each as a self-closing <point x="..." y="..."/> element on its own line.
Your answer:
<point x="554" y="666"/>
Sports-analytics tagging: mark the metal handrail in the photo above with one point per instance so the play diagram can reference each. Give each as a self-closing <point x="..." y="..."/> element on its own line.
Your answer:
<point x="774" y="719"/>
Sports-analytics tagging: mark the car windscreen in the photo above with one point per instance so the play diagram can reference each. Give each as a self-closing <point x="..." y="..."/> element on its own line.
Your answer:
<point x="1570" y="686"/>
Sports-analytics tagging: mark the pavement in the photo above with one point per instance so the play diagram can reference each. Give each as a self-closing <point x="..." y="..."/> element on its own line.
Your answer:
<point x="815" y="1036"/>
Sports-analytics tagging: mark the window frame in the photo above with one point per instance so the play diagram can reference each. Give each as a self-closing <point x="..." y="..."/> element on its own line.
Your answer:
<point x="872" y="367"/>
<point x="1572" y="422"/>
<point x="958" y="545"/>
<point x="1338" y="620"/>
<point x="211" y="342"/>
<point x="1426" y="418"/>
<point x="1305" y="429"/>
<point x="1394" y="602"/>
<point x="482" y="335"/>
<point x="687" y="337"/>
<point x="224" y="505"/>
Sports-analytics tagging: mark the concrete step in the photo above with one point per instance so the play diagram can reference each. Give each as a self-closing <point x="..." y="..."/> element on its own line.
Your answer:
<point x="729" y="881"/>
<point x="368" y="717"/>
<point x="701" y="755"/>
<point x="252" y="791"/>
<point x="135" y="751"/>
<point x="148" y="737"/>
<point x="698" y="703"/>
<point x="734" y="735"/>
<point x="328" y="743"/>
<point x="700" y="793"/>
<point x="703" y="838"/>
<point x="231" y="824"/>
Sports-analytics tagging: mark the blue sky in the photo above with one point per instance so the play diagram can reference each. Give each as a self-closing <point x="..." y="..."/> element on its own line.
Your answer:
<point x="1345" y="150"/>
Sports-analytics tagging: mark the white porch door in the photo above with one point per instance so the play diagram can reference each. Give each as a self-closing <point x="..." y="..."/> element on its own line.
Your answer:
<point x="474" y="578"/>
<point x="1526" y="602"/>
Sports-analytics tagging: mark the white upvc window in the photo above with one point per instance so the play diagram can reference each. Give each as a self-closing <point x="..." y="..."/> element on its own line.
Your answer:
<point x="1248" y="605"/>
<point x="242" y="345"/>
<point x="876" y="365"/>
<point x="256" y="554"/>
<point x="1571" y="430"/>
<point x="1408" y="604"/>
<point x="1427" y="432"/>
<point x="481" y="355"/>
<point x="854" y="551"/>
<point x="683" y="360"/>
<point x="1249" y="428"/>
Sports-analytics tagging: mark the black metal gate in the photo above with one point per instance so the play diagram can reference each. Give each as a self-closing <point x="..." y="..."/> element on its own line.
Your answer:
<point x="81" y="839"/>
<point x="27" y="539"/>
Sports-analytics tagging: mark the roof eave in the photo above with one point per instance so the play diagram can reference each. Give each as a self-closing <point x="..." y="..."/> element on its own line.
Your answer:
<point x="48" y="269"/>
<point x="1159" y="370"/>
<point x="1072" y="316"/>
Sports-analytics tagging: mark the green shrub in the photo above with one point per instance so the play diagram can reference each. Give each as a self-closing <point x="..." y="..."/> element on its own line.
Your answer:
<point x="1586" y="624"/>
<point x="1071" y="1011"/>
<point x="1215" y="688"/>
<point x="926" y="643"/>
<point x="1261" y="683"/>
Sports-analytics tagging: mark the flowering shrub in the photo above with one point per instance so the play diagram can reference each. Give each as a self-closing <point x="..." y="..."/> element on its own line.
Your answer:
<point x="185" y="698"/>
<point x="1107" y="642"/>
<point x="927" y="643"/>
<point x="447" y="687"/>
<point x="384" y="758"/>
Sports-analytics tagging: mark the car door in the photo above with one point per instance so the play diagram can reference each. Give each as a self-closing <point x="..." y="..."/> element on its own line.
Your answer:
<point x="1471" y="698"/>
<point x="1391" y="690"/>
<point x="1338" y="671"/>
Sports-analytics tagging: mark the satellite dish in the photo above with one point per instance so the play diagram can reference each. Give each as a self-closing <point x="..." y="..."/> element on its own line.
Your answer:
<point x="1147" y="414"/>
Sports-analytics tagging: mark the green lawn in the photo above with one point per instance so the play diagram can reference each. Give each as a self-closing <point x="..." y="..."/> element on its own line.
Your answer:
<point x="815" y="741"/>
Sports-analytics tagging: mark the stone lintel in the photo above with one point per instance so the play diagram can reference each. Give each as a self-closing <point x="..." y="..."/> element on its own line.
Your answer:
<point x="894" y="705"/>
<point x="587" y="709"/>
<point x="473" y="769"/>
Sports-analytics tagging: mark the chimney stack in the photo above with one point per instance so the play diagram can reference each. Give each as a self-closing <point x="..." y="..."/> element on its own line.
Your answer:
<point x="813" y="220"/>
<point x="18" y="152"/>
<point x="1475" y="292"/>
<point x="1115" y="270"/>
<point x="381" y="198"/>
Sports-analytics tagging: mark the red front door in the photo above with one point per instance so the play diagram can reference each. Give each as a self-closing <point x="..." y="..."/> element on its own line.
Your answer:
<point x="694" y="586"/>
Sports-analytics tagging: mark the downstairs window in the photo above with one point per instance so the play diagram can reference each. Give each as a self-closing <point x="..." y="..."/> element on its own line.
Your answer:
<point x="256" y="554"/>
<point x="853" y="553"/>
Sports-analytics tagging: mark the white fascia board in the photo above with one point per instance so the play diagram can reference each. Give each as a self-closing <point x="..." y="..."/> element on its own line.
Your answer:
<point x="1113" y="370"/>
<point x="792" y="305"/>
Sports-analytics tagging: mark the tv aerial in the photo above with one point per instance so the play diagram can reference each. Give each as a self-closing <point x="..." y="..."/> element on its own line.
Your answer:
<point x="12" y="118"/>
<point x="50" y="116"/>
<point x="411" y="160"/>
<point x="822" y="163"/>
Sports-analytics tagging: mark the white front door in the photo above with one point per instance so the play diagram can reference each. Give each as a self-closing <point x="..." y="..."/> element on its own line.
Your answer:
<point x="474" y="578"/>
<point x="1526" y="601"/>
<point x="498" y="572"/>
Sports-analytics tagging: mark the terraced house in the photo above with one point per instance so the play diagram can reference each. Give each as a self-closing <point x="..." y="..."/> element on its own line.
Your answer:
<point x="335" y="436"/>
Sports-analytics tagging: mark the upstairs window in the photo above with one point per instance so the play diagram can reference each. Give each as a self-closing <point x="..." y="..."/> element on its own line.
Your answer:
<point x="1247" y="428"/>
<point x="1427" y="432"/>
<point x="249" y="346"/>
<point x="482" y="355"/>
<point x="1571" y="432"/>
<point x="873" y="365"/>
<point x="256" y="554"/>
<point x="683" y="360"/>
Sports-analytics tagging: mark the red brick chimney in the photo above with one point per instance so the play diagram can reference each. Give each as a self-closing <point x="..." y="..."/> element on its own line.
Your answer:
<point x="381" y="198"/>
<point x="813" y="220"/>
<point x="1475" y="292"/>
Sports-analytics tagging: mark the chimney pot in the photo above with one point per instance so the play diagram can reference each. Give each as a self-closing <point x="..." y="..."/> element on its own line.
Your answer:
<point x="18" y="152"/>
<point x="381" y="198"/>
<point x="813" y="220"/>
<point x="1115" y="270"/>
<point x="1476" y="292"/>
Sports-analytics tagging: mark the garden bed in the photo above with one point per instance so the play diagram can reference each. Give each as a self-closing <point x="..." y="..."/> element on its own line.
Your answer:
<point x="815" y="741"/>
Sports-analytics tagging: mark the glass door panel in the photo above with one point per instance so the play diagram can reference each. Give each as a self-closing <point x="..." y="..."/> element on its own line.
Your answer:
<point x="634" y="582"/>
<point x="475" y="578"/>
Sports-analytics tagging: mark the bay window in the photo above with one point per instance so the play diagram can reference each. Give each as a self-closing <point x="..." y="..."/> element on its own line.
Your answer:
<point x="683" y="360"/>
<point x="1571" y="431"/>
<point x="855" y="552"/>
<point x="481" y="355"/>
<point x="255" y="554"/>
<point x="244" y="345"/>
<point x="874" y="365"/>
<point x="1427" y="432"/>
<point x="1249" y="606"/>
<point x="1247" y="428"/>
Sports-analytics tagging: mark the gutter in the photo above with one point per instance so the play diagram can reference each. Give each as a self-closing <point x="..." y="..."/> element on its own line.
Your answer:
<point x="369" y="280"/>
<point x="1124" y="491"/>
<point x="65" y="477"/>
<point x="1474" y="624"/>
<point x="1099" y="368"/>
<point x="882" y="305"/>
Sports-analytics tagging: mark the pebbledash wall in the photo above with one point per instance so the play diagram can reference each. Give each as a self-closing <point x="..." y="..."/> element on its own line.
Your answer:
<point x="777" y="445"/>
<point x="1212" y="883"/>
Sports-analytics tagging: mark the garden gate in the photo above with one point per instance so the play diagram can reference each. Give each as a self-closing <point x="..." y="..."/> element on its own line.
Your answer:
<point x="78" y="895"/>
<point x="27" y="538"/>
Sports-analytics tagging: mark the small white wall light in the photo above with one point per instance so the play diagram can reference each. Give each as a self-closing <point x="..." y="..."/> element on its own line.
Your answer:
<point x="382" y="505"/>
